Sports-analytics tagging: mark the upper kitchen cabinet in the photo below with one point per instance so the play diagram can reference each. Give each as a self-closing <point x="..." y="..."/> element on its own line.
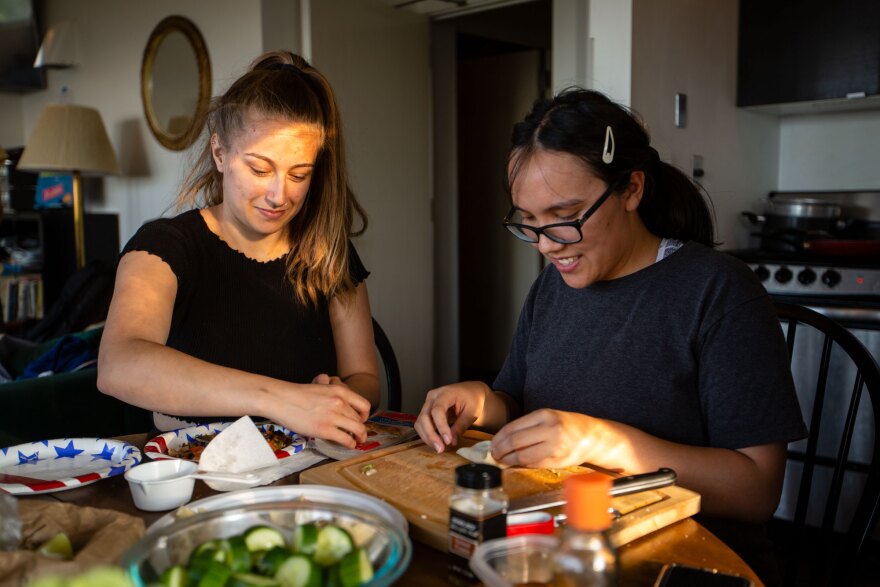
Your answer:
<point x="807" y="55"/>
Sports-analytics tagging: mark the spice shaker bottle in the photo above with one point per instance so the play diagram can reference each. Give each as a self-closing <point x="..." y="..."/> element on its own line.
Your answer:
<point x="477" y="512"/>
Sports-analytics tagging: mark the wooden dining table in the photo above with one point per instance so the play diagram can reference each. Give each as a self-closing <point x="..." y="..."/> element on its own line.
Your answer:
<point x="685" y="542"/>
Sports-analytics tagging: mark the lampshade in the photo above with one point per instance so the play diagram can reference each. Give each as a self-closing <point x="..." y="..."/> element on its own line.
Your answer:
<point x="69" y="138"/>
<point x="58" y="49"/>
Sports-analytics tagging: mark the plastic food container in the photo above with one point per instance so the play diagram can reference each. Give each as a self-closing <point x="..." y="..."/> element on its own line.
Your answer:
<point x="515" y="560"/>
<point x="387" y="545"/>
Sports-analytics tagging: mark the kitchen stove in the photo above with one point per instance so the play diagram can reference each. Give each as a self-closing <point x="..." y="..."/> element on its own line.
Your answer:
<point x="843" y="288"/>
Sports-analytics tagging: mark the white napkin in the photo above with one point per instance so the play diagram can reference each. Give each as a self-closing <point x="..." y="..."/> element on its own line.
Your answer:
<point x="241" y="448"/>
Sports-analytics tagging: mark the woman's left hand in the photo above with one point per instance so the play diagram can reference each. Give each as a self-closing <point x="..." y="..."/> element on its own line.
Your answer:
<point x="549" y="439"/>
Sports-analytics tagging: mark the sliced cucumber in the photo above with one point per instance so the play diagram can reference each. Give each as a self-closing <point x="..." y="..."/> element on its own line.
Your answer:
<point x="272" y="560"/>
<point x="207" y="551"/>
<point x="298" y="571"/>
<point x="355" y="568"/>
<point x="333" y="544"/>
<point x="174" y="577"/>
<point x="305" y="539"/>
<point x="263" y="538"/>
<point x="216" y="575"/>
<point x="238" y="557"/>
<point x="250" y="580"/>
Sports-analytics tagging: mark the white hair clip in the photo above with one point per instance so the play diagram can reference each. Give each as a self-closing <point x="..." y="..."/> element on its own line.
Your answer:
<point x="608" y="149"/>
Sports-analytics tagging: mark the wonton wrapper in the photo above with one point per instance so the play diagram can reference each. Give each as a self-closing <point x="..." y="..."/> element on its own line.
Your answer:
<point x="480" y="453"/>
<point x="238" y="449"/>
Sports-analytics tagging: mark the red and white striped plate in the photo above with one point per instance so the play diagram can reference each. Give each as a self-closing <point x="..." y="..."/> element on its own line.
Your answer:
<point x="48" y="466"/>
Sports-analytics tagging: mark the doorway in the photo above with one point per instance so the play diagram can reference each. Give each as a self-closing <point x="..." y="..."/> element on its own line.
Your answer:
<point x="489" y="68"/>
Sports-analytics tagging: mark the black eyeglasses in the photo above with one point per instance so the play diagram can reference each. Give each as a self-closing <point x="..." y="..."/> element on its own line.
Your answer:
<point x="564" y="233"/>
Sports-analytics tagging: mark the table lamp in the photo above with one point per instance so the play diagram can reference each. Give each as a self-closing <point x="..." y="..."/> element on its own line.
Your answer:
<point x="71" y="138"/>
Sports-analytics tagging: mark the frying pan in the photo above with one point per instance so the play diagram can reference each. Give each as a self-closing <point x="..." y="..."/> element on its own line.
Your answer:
<point x="844" y="248"/>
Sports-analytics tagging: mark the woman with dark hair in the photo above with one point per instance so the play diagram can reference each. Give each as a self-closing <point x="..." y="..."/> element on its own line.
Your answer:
<point x="638" y="346"/>
<point x="253" y="301"/>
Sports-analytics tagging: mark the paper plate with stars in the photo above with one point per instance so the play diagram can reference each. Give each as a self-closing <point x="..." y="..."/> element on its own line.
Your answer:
<point x="64" y="463"/>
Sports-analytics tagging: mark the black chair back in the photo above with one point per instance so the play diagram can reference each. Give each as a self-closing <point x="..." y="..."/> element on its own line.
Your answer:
<point x="819" y="556"/>
<point x="394" y="389"/>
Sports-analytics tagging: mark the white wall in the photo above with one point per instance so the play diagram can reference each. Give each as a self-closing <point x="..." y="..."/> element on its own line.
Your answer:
<point x="831" y="151"/>
<point x="592" y="46"/>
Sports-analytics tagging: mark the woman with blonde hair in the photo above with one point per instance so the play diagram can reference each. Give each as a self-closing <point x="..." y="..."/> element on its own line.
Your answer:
<point x="253" y="301"/>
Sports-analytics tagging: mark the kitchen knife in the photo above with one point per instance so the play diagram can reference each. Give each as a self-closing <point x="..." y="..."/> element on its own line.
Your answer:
<point x="620" y="486"/>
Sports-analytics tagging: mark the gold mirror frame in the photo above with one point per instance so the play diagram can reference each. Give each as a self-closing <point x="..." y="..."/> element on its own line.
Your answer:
<point x="178" y="24"/>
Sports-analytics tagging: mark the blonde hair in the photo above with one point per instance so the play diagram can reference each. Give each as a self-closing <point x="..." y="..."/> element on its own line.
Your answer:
<point x="284" y="86"/>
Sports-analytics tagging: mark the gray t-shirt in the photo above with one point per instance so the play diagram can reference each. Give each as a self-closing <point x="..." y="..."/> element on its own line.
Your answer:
<point x="688" y="349"/>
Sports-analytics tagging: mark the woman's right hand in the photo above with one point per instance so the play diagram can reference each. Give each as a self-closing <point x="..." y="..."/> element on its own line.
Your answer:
<point x="330" y="411"/>
<point x="450" y="410"/>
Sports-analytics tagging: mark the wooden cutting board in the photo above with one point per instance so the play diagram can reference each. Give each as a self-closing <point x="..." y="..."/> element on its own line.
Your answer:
<point x="418" y="481"/>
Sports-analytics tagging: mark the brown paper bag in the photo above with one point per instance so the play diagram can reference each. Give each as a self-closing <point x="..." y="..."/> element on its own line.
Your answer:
<point x="98" y="536"/>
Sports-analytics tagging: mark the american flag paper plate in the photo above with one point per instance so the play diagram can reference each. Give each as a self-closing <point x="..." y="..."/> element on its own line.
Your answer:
<point x="47" y="466"/>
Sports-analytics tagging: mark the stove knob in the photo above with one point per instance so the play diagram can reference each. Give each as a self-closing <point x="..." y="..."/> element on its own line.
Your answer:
<point x="807" y="276"/>
<point x="762" y="272"/>
<point x="783" y="275"/>
<point x="831" y="278"/>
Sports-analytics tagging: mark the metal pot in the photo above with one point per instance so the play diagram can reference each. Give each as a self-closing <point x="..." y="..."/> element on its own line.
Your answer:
<point x="788" y="222"/>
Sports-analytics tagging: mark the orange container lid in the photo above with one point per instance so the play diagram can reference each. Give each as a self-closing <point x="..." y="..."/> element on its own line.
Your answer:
<point x="588" y="501"/>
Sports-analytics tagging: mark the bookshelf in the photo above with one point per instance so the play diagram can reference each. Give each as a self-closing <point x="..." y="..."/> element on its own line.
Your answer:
<point x="28" y="291"/>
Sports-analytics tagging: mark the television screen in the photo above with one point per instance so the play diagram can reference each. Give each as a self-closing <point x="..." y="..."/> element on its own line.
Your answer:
<point x="19" y="43"/>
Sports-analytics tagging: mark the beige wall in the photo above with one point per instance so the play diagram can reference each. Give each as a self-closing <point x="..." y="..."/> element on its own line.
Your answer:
<point x="11" y="128"/>
<point x="112" y="36"/>
<point x="377" y="59"/>
<point x="740" y="149"/>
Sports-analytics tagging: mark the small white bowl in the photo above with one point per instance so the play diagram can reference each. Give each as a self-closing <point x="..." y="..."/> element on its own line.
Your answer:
<point x="162" y="485"/>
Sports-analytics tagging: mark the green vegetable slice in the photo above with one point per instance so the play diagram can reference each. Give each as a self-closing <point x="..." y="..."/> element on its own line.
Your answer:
<point x="263" y="538"/>
<point x="298" y="571"/>
<point x="174" y="577"/>
<point x="250" y="580"/>
<point x="305" y="539"/>
<point x="272" y="560"/>
<point x="216" y="575"/>
<point x="238" y="556"/>
<point x="355" y="568"/>
<point x="333" y="544"/>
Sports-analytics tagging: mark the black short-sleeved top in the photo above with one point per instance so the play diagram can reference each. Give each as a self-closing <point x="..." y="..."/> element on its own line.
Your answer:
<point x="233" y="311"/>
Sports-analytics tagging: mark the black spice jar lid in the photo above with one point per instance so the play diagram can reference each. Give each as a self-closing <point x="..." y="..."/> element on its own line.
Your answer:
<point x="478" y="476"/>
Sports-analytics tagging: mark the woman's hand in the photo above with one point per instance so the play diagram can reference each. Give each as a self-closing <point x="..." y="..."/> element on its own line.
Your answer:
<point x="326" y="409"/>
<point x="450" y="410"/>
<point x="549" y="439"/>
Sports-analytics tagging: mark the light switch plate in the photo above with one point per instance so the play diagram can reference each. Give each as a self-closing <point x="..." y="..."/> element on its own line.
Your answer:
<point x="680" y="110"/>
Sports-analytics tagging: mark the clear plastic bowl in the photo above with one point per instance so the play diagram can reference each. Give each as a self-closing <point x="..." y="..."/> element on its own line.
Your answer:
<point x="515" y="560"/>
<point x="388" y="547"/>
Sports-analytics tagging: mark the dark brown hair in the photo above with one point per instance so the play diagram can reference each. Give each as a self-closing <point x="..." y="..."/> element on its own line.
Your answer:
<point x="575" y="122"/>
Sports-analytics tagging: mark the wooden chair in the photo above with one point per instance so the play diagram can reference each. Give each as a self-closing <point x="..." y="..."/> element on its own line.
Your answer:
<point x="393" y="388"/>
<point x="828" y="557"/>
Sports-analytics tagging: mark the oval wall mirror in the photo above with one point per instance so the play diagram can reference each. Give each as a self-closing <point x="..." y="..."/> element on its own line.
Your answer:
<point x="176" y="82"/>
